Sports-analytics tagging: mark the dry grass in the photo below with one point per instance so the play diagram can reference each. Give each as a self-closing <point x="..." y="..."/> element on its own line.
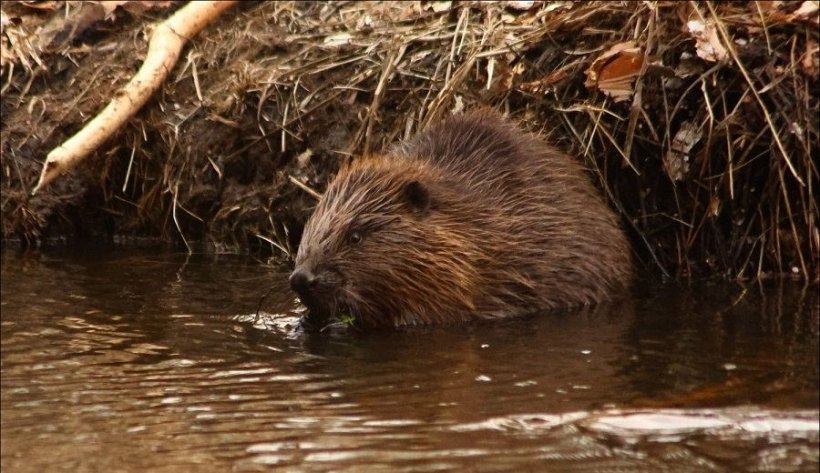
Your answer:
<point x="704" y="144"/>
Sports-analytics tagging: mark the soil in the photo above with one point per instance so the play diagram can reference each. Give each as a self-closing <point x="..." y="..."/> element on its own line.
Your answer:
<point x="266" y="104"/>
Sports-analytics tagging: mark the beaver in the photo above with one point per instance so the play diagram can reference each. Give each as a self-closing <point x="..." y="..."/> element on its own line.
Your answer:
<point x="474" y="218"/>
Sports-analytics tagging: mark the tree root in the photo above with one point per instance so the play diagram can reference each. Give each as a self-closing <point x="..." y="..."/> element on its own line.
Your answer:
<point x="164" y="48"/>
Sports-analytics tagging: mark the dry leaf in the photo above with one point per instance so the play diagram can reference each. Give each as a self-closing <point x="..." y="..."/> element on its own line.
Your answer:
<point x="437" y="7"/>
<point x="769" y="6"/>
<point x="458" y="105"/>
<point x="676" y="161"/>
<point x="508" y="18"/>
<point x="807" y="11"/>
<point x="522" y="5"/>
<point x="110" y="5"/>
<point x="557" y="5"/>
<point x="504" y="76"/>
<point x="714" y="206"/>
<point x="157" y="4"/>
<point x="365" y="24"/>
<point x="773" y="15"/>
<point x="139" y="7"/>
<point x="542" y="85"/>
<point x="338" y="39"/>
<point x="707" y="40"/>
<point x="811" y="60"/>
<point x="40" y="5"/>
<point x="614" y="71"/>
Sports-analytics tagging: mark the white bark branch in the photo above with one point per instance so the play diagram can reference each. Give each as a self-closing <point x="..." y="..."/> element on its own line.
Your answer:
<point x="164" y="48"/>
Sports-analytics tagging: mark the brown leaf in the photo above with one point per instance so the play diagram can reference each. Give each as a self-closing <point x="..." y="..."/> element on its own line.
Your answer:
<point x="522" y="5"/>
<point x="109" y="6"/>
<point x="139" y="7"/>
<point x="614" y="71"/>
<point x="810" y="64"/>
<point x="714" y="206"/>
<point x="337" y="40"/>
<point x="768" y="6"/>
<point x="40" y="5"/>
<point x="543" y="84"/>
<point x="676" y="161"/>
<point x="808" y="11"/>
<point x="707" y="40"/>
<point x="437" y="6"/>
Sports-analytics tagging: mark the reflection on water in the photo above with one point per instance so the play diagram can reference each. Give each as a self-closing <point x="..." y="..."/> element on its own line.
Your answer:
<point x="135" y="361"/>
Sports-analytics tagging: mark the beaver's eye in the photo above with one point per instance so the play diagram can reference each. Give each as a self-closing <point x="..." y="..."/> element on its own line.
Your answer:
<point x="355" y="238"/>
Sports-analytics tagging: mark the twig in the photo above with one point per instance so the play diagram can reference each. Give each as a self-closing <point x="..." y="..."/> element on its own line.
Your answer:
<point x="391" y="63"/>
<point x="176" y="222"/>
<point x="274" y="244"/>
<point x="304" y="187"/>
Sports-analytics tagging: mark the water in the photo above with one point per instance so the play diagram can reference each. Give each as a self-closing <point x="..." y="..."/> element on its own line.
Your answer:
<point x="140" y="361"/>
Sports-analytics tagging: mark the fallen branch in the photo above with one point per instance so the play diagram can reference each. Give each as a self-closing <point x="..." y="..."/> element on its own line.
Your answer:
<point x="164" y="48"/>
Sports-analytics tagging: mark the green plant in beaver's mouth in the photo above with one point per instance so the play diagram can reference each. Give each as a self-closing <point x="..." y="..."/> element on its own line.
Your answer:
<point x="346" y="319"/>
<point x="342" y="320"/>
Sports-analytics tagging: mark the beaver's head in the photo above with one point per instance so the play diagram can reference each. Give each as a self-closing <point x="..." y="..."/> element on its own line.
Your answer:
<point x="385" y="247"/>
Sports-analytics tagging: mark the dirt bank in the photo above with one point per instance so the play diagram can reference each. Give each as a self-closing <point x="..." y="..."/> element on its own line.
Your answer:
<point x="698" y="120"/>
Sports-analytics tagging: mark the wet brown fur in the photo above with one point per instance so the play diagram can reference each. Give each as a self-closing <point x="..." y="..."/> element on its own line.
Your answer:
<point x="471" y="219"/>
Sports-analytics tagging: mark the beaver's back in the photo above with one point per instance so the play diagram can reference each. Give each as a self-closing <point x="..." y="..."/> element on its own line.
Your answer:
<point x="558" y="243"/>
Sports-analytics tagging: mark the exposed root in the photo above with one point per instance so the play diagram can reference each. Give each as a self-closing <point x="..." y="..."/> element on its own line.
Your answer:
<point x="166" y="44"/>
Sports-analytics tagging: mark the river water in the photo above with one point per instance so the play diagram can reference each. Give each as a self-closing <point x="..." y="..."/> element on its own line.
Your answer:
<point x="145" y="361"/>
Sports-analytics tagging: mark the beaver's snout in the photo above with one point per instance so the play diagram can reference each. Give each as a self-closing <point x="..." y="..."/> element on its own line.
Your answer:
<point x="303" y="281"/>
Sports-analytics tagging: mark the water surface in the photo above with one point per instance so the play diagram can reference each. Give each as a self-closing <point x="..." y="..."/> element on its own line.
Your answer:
<point x="139" y="360"/>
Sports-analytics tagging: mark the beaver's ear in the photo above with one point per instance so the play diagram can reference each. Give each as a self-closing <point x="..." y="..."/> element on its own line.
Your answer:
<point x="417" y="196"/>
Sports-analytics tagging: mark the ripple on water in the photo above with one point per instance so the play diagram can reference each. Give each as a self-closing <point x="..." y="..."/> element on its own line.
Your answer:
<point x="146" y="366"/>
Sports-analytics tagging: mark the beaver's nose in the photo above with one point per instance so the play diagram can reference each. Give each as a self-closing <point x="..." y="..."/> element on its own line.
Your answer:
<point x="302" y="280"/>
